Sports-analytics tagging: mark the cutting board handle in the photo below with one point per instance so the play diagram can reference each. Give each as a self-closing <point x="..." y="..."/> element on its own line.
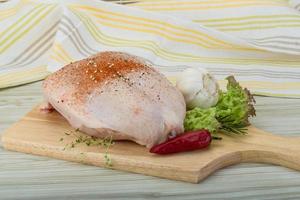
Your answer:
<point x="263" y="147"/>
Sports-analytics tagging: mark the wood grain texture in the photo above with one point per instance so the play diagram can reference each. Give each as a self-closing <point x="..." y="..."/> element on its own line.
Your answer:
<point x="40" y="133"/>
<point x="25" y="176"/>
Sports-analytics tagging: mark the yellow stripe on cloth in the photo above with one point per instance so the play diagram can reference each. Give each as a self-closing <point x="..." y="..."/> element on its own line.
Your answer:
<point x="155" y="23"/>
<point x="6" y="13"/>
<point x="18" y="24"/>
<point x="261" y="23"/>
<point x="201" y="2"/>
<point x="22" y="77"/>
<point x="258" y="27"/>
<point x="30" y="25"/>
<point x="208" y="7"/>
<point x="208" y="4"/>
<point x="60" y="54"/>
<point x="247" y="18"/>
<point x="11" y="9"/>
<point x="256" y="85"/>
<point x="174" y="56"/>
<point x="265" y="84"/>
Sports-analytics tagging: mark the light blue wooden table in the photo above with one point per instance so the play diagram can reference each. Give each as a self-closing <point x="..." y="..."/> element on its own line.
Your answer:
<point x="31" y="177"/>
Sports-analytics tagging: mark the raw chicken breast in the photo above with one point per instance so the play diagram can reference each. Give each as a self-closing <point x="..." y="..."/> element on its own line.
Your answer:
<point x="119" y="95"/>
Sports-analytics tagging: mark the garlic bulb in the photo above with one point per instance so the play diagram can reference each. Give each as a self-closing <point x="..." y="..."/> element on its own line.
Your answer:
<point x="199" y="88"/>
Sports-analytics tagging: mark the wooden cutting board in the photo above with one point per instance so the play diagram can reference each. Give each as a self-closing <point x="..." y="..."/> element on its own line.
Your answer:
<point x="40" y="133"/>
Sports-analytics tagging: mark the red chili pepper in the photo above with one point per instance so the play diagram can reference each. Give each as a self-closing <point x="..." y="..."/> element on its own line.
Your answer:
<point x="188" y="141"/>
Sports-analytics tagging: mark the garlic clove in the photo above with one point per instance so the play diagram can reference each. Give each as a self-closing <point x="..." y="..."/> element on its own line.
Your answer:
<point x="199" y="88"/>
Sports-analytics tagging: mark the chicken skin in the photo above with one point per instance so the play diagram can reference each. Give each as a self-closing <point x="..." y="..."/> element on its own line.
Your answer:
<point x="118" y="95"/>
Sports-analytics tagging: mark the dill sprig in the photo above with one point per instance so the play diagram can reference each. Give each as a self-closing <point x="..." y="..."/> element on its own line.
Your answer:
<point x="91" y="141"/>
<point x="228" y="125"/>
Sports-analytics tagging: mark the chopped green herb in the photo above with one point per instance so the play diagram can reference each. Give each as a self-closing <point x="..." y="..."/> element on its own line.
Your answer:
<point x="108" y="161"/>
<point x="93" y="141"/>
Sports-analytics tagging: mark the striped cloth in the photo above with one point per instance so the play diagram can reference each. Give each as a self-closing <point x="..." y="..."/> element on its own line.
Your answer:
<point x="256" y="40"/>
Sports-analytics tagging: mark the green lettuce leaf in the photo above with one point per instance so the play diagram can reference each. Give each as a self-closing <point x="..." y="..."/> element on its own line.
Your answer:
<point x="234" y="107"/>
<point x="199" y="118"/>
